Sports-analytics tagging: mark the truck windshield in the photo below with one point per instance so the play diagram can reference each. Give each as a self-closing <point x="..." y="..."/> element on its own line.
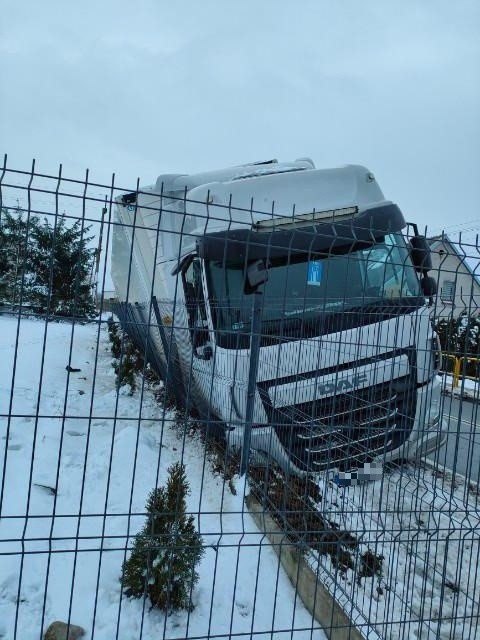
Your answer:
<point x="320" y="295"/>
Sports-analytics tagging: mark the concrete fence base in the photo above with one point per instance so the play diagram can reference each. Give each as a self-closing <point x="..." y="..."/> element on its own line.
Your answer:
<point x="316" y="598"/>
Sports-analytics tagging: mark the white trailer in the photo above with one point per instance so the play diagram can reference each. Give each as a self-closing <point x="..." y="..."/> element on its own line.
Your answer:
<point x="347" y="355"/>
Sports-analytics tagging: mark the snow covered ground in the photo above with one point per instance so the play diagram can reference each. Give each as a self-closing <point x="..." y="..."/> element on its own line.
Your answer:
<point x="426" y="525"/>
<point x="83" y="468"/>
<point x="466" y="388"/>
<point x="77" y="462"/>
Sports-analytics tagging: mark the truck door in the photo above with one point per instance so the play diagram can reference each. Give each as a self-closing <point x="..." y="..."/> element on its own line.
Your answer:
<point x="205" y="389"/>
<point x="196" y="311"/>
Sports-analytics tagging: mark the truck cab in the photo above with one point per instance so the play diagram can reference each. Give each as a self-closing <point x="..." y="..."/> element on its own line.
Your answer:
<point x="347" y="357"/>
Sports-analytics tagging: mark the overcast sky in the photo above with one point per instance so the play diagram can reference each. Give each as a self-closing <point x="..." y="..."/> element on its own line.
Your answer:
<point x="146" y="88"/>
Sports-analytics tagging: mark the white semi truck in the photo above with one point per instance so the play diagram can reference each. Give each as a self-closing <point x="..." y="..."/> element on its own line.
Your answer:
<point x="317" y="263"/>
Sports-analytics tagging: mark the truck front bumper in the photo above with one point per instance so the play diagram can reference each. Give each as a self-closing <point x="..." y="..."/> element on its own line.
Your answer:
<point x="427" y="435"/>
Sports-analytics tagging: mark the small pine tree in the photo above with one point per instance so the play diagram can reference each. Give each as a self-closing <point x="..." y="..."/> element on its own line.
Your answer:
<point x="167" y="550"/>
<point x="115" y="339"/>
<point x="128" y="361"/>
<point x="126" y="367"/>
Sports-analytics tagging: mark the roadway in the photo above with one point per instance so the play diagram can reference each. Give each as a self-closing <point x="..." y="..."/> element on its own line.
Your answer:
<point x="461" y="452"/>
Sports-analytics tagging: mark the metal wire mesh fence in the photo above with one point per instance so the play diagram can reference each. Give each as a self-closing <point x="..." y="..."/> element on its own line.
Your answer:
<point x="235" y="405"/>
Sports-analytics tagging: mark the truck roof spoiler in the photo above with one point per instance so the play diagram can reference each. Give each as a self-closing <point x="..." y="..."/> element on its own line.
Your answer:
<point x="284" y="244"/>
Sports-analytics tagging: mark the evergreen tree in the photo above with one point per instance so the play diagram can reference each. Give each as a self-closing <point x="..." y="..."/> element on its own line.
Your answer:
<point x="114" y="336"/>
<point x="167" y="550"/>
<point x="16" y="250"/>
<point x="461" y="337"/>
<point x="49" y="266"/>
<point x="62" y="263"/>
<point x="128" y="360"/>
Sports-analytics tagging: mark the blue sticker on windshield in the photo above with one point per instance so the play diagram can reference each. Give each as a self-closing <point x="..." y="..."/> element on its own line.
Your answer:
<point x="315" y="268"/>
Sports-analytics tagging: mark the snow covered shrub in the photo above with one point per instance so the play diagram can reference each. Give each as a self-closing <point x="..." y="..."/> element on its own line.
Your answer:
<point x="128" y="361"/>
<point x="128" y="365"/>
<point x="114" y="337"/>
<point x="371" y="565"/>
<point x="167" y="550"/>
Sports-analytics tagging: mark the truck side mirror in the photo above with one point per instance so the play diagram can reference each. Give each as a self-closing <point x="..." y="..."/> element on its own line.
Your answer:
<point x="257" y="274"/>
<point x="420" y="254"/>
<point x="429" y="286"/>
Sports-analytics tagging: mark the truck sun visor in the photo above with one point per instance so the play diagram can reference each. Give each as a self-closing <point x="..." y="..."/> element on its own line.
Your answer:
<point x="343" y="236"/>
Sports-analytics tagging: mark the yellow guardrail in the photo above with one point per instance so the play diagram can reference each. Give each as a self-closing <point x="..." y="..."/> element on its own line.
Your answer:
<point x="457" y="367"/>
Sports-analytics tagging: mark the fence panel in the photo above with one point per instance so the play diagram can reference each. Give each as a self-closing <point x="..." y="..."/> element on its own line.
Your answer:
<point x="225" y="413"/>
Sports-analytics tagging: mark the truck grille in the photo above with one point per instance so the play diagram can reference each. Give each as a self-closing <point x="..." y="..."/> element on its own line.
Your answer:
<point x="347" y="430"/>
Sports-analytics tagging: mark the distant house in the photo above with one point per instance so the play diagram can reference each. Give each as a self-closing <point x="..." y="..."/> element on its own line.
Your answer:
<point x="456" y="268"/>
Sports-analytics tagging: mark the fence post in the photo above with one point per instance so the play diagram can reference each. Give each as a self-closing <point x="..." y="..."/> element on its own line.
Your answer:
<point x="257" y="275"/>
<point x="255" y="341"/>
